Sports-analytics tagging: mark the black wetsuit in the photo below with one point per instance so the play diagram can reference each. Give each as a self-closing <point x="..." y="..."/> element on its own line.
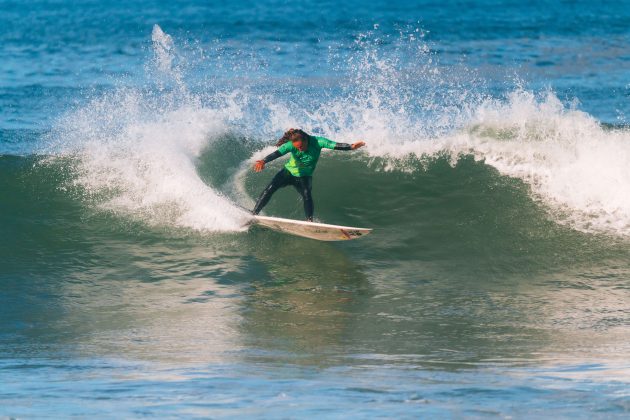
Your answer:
<point x="303" y="184"/>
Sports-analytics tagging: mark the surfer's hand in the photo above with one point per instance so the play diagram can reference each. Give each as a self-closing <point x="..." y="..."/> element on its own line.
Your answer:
<point x="259" y="165"/>
<point x="357" y="145"/>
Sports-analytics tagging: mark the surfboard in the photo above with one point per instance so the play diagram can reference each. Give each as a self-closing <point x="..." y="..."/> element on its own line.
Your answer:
<point x="312" y="230"/>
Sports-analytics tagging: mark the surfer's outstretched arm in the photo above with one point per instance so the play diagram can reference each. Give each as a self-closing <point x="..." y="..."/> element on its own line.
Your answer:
<point x="260" y="164"/>
<point x="347" y="146"/>
<point x="272" y="156"/>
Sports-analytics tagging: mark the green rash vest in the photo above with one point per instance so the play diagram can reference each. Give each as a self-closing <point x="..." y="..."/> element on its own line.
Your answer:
<point x="303" y="163"/>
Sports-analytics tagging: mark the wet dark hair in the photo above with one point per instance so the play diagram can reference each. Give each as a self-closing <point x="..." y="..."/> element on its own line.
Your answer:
<point x="293" y="134"/>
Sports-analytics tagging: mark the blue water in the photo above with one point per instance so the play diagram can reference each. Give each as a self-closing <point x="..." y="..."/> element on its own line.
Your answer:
<point x="54" y="51"/>
<point x="495" y="283"/>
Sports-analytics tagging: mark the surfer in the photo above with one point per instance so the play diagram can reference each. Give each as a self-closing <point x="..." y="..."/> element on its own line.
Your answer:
<point x="298" y="171"/>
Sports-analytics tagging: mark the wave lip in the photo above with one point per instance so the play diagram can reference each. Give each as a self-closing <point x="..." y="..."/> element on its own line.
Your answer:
<point x="575" y="167"/>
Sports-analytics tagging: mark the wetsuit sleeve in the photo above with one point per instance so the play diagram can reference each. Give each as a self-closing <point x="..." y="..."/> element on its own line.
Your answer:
<point x="282" y="150"/>
<point x="343" y="146"/>
<point x="272" y="156"/>
<point x="325" y="143"/>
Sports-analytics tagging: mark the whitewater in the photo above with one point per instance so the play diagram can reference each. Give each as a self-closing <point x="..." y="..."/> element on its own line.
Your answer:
<point x="136" y="149"/>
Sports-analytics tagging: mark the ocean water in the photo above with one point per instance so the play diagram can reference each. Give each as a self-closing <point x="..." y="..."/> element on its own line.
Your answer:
<point x="496" y="178"/>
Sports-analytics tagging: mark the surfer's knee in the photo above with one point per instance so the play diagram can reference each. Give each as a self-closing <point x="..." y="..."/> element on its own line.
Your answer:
<point x="305" y="192"/>
<point x="305" y="186"/>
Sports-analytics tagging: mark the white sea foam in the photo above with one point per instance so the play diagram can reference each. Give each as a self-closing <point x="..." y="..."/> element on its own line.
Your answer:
<point x="573" y="165"/>
<point x="144" y="164"/>
<point x="137" y="152"/>
<point x="576" y="168"/>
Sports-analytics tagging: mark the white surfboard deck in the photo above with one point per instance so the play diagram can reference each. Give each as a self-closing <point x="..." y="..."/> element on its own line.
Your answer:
<point x="312" y="230"/>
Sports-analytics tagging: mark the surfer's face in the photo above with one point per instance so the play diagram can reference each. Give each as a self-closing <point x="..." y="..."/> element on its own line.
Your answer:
<point x="300" y="144"/>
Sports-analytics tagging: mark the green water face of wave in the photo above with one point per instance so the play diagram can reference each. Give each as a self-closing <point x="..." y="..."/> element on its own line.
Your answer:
<point x="466" y="215"/>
